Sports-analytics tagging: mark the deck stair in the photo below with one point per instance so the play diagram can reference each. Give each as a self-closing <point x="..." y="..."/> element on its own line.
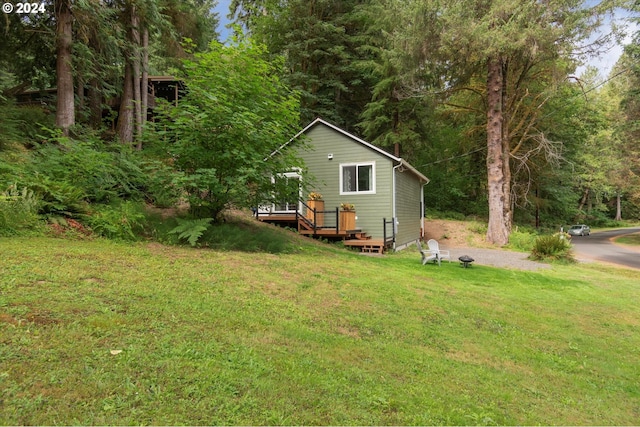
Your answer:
<point x="367" y="245"/>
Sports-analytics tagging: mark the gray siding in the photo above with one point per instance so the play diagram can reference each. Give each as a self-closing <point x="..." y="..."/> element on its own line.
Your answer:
<point x="325" y="176"/>
<point x="408" y="207"/>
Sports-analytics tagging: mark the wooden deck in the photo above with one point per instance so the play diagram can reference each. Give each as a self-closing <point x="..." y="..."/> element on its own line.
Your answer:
<point x="352" y="238"/>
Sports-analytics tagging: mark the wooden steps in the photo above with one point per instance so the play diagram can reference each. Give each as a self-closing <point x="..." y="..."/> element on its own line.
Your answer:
<point x="367" y="245"/>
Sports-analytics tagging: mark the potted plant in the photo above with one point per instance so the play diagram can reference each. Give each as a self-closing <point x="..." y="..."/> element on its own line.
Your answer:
<point x="347" y="216"/>
<point x="314" y="205"/>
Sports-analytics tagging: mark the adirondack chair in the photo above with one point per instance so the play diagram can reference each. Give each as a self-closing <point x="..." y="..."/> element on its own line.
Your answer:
<point x="426" y="254"/>
<point x="439" y="253"/>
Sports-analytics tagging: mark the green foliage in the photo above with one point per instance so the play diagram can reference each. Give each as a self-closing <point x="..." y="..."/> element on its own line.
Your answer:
<point x="102" y="172"/>
<point x="191" y="229"/>
<point x="161" y="184"/>
<point x="436" y="214"/>
<point x="121" y="221"/>
<point x="522" y="239"/>
<point x="21" y="125"/>
<point x="555" y="247"/>
<point x="19" y="212"/>
<point x="236" y="113"/>
<point x="328" y="47"/>
<point x="248" y="237"/>
<point x="59" y="197"/>
<point x="68" y="175"/>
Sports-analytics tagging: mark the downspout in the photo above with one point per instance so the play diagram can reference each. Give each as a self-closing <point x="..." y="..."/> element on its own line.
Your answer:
<point x="393" y="204"/>
<point x="422" y="210"/>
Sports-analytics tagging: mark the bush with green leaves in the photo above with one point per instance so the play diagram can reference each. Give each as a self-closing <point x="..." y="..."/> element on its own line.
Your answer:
<point x="555" y="247"/>
<point x="19" y="212"/>
<point x="104" y="173"/>
<point x="120" y="221"/>
<point x="22" y="125"/>
<point x="522" y="239"/>
<point x="236" y="113"/>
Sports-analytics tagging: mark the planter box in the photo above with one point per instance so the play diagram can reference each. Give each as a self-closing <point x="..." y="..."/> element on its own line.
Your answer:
<point x="317" y="218"/>
<point x="347" y="220"/>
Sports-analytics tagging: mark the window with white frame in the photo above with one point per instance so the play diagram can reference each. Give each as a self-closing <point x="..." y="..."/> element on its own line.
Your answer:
<point x="357" y="178"/>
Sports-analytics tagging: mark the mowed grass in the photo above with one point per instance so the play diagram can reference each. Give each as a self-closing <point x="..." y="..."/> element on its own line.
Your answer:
<point x="629" y="240"/>
<point x="96" y="332"/>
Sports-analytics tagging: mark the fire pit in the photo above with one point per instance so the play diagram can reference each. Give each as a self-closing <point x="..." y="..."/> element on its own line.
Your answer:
<point x="465" y="261"/>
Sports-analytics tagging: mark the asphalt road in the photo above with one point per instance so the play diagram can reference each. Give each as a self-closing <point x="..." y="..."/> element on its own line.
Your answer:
<point x="598" y="246"/>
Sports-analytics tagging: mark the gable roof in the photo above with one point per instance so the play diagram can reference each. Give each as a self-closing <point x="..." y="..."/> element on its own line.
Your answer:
<point x="398" y="160"/>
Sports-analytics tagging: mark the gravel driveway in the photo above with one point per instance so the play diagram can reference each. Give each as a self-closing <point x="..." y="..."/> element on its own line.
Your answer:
<point x="497" y="258"/>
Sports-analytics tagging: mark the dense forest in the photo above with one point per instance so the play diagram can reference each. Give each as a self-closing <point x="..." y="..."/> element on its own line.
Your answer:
<point x="482" y="96"/>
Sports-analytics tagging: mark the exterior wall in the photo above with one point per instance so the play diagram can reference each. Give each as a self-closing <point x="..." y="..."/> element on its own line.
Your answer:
<point x="408" y="208"/>
<point x="324" y="177"/>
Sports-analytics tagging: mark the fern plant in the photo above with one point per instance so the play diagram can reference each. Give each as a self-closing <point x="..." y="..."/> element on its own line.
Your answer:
<point x="554" y="247"/>
<point x="191" y="229"/>
<point x="18" y="211"/>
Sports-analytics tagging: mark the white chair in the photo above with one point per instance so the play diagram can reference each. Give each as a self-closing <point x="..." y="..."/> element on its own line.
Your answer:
<point x="440" y="254"/>
<point x="427" y="255"/>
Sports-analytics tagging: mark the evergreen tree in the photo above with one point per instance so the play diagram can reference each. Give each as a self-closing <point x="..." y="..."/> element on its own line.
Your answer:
<point x="510" y="43"/>
<point x="326" y="45"/>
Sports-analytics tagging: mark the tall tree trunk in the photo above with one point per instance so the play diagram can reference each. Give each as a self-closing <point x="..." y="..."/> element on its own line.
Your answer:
<point x="618" y="207"/>
<point x="506" y="153"/>
<point x="497" y="231"/>
<point x="583" y="200"/>
<point x="144" y="84"/>
<point x="124" y="129"/>
<point x="65" y="113"/>
<point x="95" y="103"/>
<point x="135" y="63"/>
<point x="80" y="107"/>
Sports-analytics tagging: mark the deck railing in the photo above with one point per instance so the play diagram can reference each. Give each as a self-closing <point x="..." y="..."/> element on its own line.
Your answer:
<point x="315" y="213"/>
<point x="389" y="239"/>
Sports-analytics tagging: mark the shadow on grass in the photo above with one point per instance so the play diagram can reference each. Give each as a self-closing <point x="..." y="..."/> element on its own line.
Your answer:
<point x="239" y="235"/>
<point x="238" y="232"/>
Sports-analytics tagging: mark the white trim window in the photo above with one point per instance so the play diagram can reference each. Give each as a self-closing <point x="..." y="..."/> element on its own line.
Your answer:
<point x="289" y="187"/>
<point x="358" y="178"/>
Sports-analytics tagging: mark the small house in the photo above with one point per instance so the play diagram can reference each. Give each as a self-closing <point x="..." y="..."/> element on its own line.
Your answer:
<point x="370" y="198"/>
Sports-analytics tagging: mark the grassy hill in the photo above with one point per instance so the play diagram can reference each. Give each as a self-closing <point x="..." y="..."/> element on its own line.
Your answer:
<point x="97" y="332"/>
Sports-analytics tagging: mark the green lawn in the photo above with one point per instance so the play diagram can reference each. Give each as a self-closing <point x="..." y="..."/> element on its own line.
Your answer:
<point x="96" y="332"/>
<point x="629" y="240"/>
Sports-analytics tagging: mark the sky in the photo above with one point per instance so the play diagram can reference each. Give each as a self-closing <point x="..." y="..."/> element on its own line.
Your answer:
<point x="222" y="9"/>
<point x="604" y="62"/>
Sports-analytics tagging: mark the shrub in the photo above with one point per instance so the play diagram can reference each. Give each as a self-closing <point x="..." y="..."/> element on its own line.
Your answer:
<point x="552" y="247"/>
<point x="122" y="221"/>
<point x="21" y="125"/>
<point x="19" y="212"/>
<point x="102" y="175"/>
<point x="220" y="134"/>
<point x="478" y="227"/>
<point x="191" y="229"/>
<point x="160" y="188"/>
<point x="522" y="240"/>
<point x="59" y="197"/>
